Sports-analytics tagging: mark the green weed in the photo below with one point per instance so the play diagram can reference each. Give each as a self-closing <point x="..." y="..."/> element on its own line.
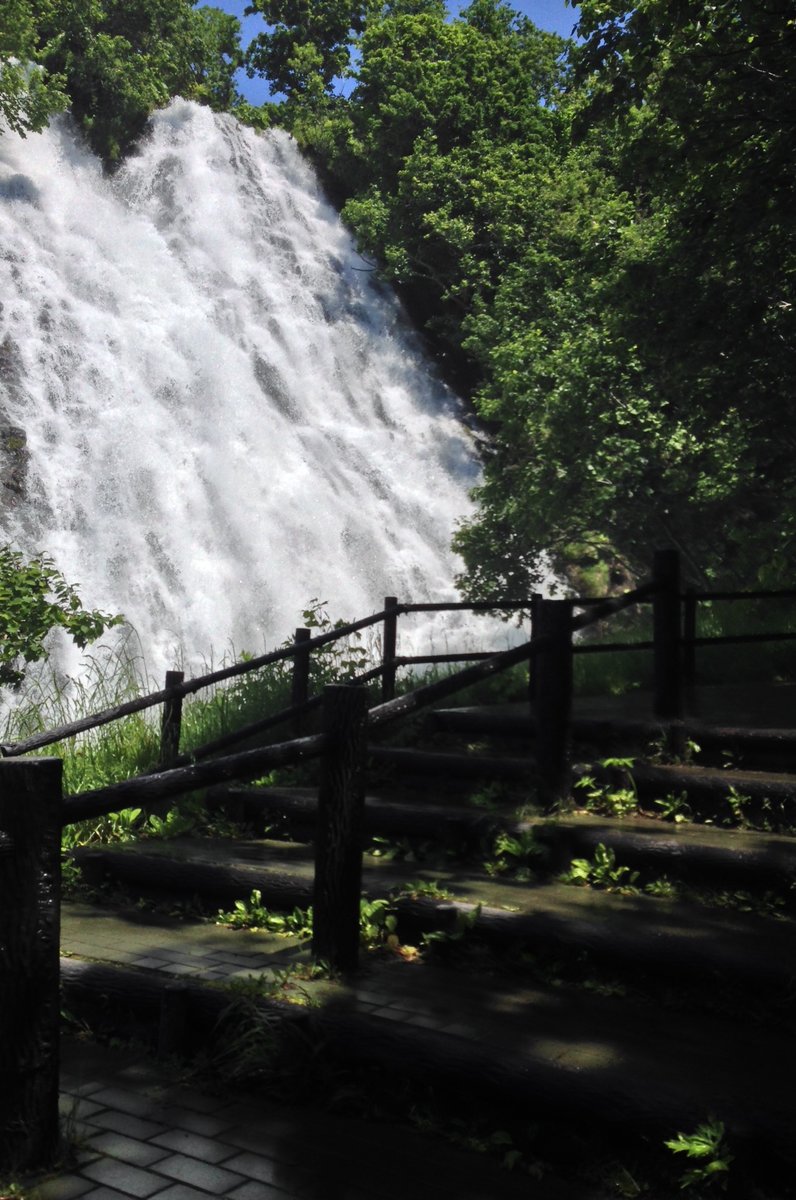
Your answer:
<point x="706" y="1144"/>
<point x="601" y="872"/>
<point x="675" y="808"/>
<point x="737" y="802"/>
<point x="253" y="914"/>
<point x="174" y="824"/>
<point x="513" y="854"/>
<point x="423" y="889"/>
<point x="607" y="798"/>
<point x="441" y="939"/>
<point x="377" y="924"/>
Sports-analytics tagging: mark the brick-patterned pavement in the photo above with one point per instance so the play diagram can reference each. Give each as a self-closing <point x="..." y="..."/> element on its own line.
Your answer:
<point x="139" y="1133"/>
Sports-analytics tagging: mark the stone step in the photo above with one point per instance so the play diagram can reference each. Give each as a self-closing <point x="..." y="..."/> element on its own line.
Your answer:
<point x="696" y="853"/>
<point x="659" y="934"/>
<point x="564" y="1055"/>
<point x="688" y="851"/>
<point x="590" y="725"/>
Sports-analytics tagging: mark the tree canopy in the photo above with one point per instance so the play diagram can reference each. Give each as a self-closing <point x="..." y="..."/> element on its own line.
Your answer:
<point x="113" y="62"/>
<point x="28" y="94"/>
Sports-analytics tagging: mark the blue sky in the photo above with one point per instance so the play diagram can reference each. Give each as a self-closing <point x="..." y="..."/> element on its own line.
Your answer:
<point x="553" y="15"/>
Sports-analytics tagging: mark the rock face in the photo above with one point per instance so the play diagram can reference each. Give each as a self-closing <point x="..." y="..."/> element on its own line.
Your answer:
<point x="14" y="458"/>
<point x="14" y="454"/>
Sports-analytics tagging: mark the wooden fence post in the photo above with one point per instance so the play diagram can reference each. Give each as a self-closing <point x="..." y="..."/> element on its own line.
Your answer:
<point x="389" y="639"/>
<point x="666" y="637"/>
<point x="300" y="684"/>
<point x="536" y="600"/>
<point x="30" y="926"/>
<point x="689" y="649"/>
<point x="171" y="722"/>
<point x="338" y="838"/>
<point x="551" y="673"/>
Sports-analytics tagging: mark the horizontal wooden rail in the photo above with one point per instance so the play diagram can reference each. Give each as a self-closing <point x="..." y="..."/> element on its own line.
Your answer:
<point x="466" y="606"/>
<point x="741" y="639"/>
<point x="779" y="594"/>
<point x="145" y="789"/>
<point x="429" y="693"/>
<point x="39" y="740"/>
<point x="244" y="732"/>
<point x="605" y="647"/>
<point x="411" y="660"/>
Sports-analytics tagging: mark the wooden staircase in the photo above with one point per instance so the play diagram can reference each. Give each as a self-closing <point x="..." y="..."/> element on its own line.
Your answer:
<point x="678" y="958"/>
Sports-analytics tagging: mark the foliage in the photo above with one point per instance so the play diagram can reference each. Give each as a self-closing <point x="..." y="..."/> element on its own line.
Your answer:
<point x="641" y="354"/>
<point x="675" y="808"/>
<point x="122" y="826"/>
<point x="28" y="95"/>
<point x="253" y="914"/>
<point x="707" y="1145"/>
<point x="601" y="872"/>
<point x="114" y="62"/>
<point x="377" y="924"/>
<point x="442" y="941"/>
<point x="174" y="824"/>
<point x="35" y="599"/>
<point x="514" y="854"/>
<point x="307" y="45"/>
<point x="608" y="798"/>
<point x="424" y="889"/>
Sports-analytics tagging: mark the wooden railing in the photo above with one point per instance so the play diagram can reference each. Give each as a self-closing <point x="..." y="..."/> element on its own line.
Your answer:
<point x="674" y="643"/>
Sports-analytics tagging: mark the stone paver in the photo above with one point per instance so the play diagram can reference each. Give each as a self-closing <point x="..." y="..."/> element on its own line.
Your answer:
<point x="266" y="1152"/>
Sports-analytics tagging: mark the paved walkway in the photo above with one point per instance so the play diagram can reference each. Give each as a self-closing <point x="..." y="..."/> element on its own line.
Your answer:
<point x="140" y="1133"/>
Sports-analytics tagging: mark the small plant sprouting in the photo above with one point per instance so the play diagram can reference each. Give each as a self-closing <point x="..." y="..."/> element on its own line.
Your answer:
<point x="601" y="872"/>
<point x="675" y="808"/>
<point x="377" y="923"/>
<point x="424" y="889"/>
<point x="174" y="824"/>
<point x="608" y="799"/>
<point x="445" y="939"/>
<point x="488" y="797"/>
<point x="401" y="849"/>
<point x="662" y="887"/>
<point x="706" y="1144"/>
<point x="514" y="853"/>
<point x="253" y="914"/>
<point x="737" y="802"/>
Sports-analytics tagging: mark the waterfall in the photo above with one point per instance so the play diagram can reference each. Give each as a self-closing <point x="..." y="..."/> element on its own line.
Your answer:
<point x="211" y="412"/>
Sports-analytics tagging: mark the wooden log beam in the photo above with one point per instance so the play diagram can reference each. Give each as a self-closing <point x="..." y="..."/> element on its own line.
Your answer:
<point x="426" y="762"/>
<point x="213" y="881"/>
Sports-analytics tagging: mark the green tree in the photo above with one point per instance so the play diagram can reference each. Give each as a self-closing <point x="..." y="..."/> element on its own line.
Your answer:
<point x="450" y="127"/>
<point x="308" y="45"/>
<point x="35" y="599"/>
<point x="28" y="95"/>
<point x="639" y="358"/>
<point x="122" y="59"/>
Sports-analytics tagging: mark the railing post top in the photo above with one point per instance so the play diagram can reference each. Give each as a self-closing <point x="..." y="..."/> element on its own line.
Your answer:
<point x="45" y="768"/>
<point x="334" y="689"/>
<point x="666" y="563"/>
<point x="303" y="635"/>
<point x="390" y="601"/>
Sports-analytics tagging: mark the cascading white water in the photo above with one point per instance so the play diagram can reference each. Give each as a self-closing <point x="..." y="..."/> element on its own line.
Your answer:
<point x="226" y="416"/>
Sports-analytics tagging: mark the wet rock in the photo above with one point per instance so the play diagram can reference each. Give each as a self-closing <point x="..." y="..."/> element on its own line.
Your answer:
<point x="14" y="459"/>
